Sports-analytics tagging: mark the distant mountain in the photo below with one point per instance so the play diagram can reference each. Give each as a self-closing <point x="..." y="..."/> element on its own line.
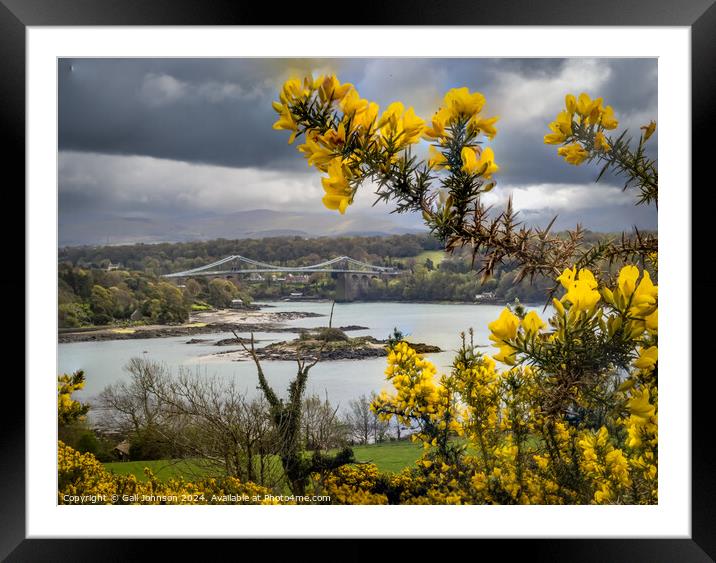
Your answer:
<point x="257" y="223"/>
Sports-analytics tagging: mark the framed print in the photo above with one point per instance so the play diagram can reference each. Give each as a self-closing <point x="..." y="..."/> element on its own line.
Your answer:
<point x="359" y="282"/>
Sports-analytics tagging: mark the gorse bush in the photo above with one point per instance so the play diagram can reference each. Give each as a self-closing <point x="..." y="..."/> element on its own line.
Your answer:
<point x="69" y="410"/>
<point x="572" y="418"/>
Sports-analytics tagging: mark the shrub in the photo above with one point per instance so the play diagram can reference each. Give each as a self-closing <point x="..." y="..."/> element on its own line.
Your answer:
<point x="332" y="335"/>
<point x="82" y="475"/>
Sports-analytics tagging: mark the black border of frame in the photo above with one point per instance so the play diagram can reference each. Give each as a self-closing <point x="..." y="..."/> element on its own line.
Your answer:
<point x="16" y="15"/>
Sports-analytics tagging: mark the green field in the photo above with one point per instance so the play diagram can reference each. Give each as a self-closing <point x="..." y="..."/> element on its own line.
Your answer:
<point x="162" y="468"/>
<point x="436" y="256"/>
<point x="389" y="456"/>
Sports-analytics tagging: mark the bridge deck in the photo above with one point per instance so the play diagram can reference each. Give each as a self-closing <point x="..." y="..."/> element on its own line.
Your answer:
<point x="345" y="265"/>
<point x="277" y="270"/>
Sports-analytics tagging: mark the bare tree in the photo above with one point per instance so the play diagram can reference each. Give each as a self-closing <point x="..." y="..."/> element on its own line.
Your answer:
<point x="322" y="428"/>
<point x="364" y="423"/>
<point x="204" y="418"/>
<point x="359" y="419"/>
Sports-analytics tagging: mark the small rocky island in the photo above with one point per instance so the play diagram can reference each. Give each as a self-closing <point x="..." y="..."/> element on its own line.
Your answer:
<point x="332" y="344"/>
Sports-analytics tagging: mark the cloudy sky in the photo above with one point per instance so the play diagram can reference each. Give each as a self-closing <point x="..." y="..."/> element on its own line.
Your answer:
<point x="179" y="149"/>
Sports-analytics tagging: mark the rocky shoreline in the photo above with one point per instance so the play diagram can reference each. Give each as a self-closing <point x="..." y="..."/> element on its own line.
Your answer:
<point x="264" y="322"/>
<point x="330" y="343"/>
<point x="358" y="348"/>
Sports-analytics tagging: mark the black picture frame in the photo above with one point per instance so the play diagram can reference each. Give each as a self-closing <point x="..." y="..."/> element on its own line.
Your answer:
<point x="17" y="15"/>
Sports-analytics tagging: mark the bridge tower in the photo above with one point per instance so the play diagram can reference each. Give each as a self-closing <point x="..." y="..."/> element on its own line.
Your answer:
<point x="350" y="287"/>
<point x="344" y="288"/>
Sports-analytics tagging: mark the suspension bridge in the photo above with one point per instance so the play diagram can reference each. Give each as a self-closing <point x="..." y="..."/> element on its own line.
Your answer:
<point x="351" y="274"/>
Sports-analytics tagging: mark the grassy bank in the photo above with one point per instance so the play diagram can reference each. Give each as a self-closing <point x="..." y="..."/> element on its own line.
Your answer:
<point x="389" y="456"/>
<point x="162" y="468"/>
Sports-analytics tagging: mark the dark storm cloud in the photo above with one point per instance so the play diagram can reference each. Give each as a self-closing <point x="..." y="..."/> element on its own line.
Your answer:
<point x="209" y="111"/>
<point x="159" y="139"/>
<point x="218" y="111"/>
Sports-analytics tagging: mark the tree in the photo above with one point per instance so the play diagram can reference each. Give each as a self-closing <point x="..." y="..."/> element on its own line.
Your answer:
<point x="322" y="429"/>
<point x="193" y="287"/>
<point x="133" y="408"/>
<point x="359" y="419"/>
<point x="364" y="423"/>
<point x="173" y="307"/>
<point x="286" y="417"/>
<point x="123" y="302"/>
<point x="204" y="418"/>
<point x="221" y="293"/>
<point x="72" y="315"/>
<point x="102" y="305"/>
<point x="72" y="427"/>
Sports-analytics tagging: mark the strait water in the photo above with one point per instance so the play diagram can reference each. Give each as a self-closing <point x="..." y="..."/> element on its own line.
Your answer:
<point x="342" y="381"/>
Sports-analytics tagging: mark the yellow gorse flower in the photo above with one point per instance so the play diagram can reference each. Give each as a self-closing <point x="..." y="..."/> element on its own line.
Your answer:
<point x="352" y="104"/>
<point x="485" y="126"/>
<point x="286" y="121"/>
<point x="647" y="358"/>
<point x="331" y="89"/>
<point x="600" y="142"/>
<point x="292" y="91"/>
<point x="400" y="126"/>
<point x="364" y="122"/>
<point x="581" y="292"/>
<point x="573" y="154"/>
<point x="337" y="122"/>
<point x="462" y="102"/>
<point x="498" y="408"/>
<point x="439" y="121"/>
<point x="505" y="327"/>
<point x="339" y="194"/>
<point x="648" y="129"/>
<point x="588" y="114"/>
<point x="609" y="121"/>
<point x="570" y="103"/>
<point x="561" y="129"/>
<point x="627" y="280"/>
<point x="335" y="138"/>
<point x="532" y="323"/>
<point x="587" y="107"/>
<point x="436" y="158"/>
<point x="483" y="166"/>
<point x="316" y="154"/>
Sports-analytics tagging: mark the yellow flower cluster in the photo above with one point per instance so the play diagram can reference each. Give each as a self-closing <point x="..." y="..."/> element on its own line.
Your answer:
<point x="459" y="104"/>
<point x="582" y="294"/>
<point x="591" y="117"/>
<point x="633" y="303"/>
<point x="605" y="466"/>
<point x="551" y="429"/>
<point x="348" y="138"/>
<point x="346" y="124"/>
<point x="418" y="398"/>
<point x="462" y="107"/>
<point x="69" y="410"/>
<point x="351" y="484"/>
<point x="83" y="479"/>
